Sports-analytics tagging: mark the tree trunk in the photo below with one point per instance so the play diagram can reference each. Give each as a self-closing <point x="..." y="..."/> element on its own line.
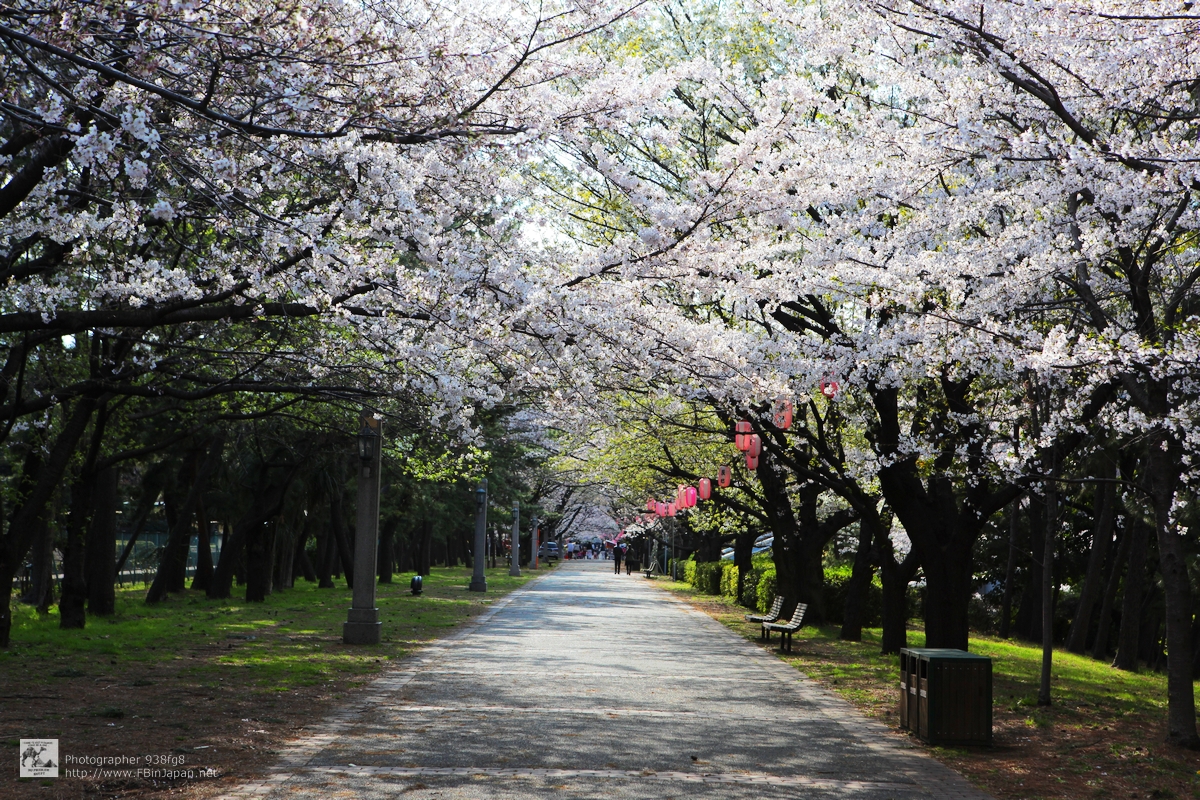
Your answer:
<point x="943" y="537"/>
<point x="300" y="557"/>
<point x="799" y="543"/>
<point x="404" y="550"/>
<point x="858" y="586"/>
<point x="1196" y="648"/>
<point x="325" y="555"/>
<point x="386" y="556"/>
<point x="259" y="543"/>
<point x="1048" y="597"/>
<point x="341" y="536"/>
<point x="1163" y="461"/>
<point x="102" y="545"/>
<point x="710" y="548"/>
<point x="895" y="578"/>
<point x="306" y="566"/>
<point x="171" y="574"/>
<point x="41" y="577"/>
<point x="1151" y="633"/>
<point x="1131" y="598"/>
<point x="943" y="519"/>
<point x="172" y="567"/>
<point x="1010" y="569"/>
<point x="35" y="487"/>
<point x="268" y="500"/>
<point x="1029" y="615"/>
<point x="71" y="613"/>
<point x="284" y="553"/>
<point x="743" y="552"/>
<point x="1102" y="535"/>
<point x="204" y="563"/>
<point x="138" y="527"/>
<point x="1104" y="628"/>
<point x="425" y="548"/>
<point x="948" y="584"/>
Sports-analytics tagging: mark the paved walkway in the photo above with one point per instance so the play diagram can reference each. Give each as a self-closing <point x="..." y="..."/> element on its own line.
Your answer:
<point x="586" y="684"/>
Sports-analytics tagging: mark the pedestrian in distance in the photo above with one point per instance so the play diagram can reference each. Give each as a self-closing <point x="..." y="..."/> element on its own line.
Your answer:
<point x="617" y="560"/>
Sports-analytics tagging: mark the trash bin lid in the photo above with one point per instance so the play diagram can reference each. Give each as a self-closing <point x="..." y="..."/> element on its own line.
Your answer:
<point x="942" y="654"/>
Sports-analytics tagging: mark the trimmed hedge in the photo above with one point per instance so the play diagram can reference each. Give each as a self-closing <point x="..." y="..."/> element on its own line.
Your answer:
<point x="729" y="580"/>
<point x="758" y="590"/>
<point x="837" y="580"/>
<point x="721" y="577"/>
<point x="708" y="577"/>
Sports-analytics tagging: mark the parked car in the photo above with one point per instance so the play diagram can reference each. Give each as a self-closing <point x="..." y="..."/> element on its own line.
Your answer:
<point x="549" y="551"/>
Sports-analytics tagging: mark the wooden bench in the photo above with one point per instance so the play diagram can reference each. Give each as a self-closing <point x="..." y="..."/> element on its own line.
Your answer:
<point x="786" y="629"/>
<point x="770" y="616"/>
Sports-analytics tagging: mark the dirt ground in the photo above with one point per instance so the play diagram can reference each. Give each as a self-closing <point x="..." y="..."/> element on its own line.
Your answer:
<point x="223" y="734"/>
<point x="200" y="694"/>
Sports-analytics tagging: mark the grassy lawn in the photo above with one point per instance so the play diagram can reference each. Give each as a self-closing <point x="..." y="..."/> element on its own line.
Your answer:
<point x="1102" y="737"/>
<point x="218" y="682"/>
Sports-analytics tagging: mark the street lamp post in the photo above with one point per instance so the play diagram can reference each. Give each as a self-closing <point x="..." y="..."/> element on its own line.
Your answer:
<point x="515" y="569"/>
<point x="478" y="581"/>
<point x="533" y="554"/>
<point x="362" y="624"/>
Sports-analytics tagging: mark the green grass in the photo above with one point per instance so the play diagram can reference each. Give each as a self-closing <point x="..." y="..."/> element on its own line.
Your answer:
<point x="1076" y="680"/>
<point x="292" y="639"/>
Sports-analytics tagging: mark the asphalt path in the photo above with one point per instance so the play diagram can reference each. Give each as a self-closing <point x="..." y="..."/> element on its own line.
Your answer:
<point x="586" y="684"/>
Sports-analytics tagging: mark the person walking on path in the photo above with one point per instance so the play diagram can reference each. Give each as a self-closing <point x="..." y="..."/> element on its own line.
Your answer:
<point x="617" y="560"/>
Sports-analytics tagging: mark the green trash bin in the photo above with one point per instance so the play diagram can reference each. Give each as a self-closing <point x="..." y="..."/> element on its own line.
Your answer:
<point x="946" y="696"/>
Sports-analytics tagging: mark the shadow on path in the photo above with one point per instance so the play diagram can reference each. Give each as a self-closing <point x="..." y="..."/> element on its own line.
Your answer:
<point x="586" y="683"/>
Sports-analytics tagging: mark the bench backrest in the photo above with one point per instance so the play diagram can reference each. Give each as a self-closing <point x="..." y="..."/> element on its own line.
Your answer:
<point x="797" y="617"/>
<point x="776" y="607"/>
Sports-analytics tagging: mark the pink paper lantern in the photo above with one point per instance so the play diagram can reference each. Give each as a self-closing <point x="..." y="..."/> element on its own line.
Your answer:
<point x="741" y="439"/>
<point x="751" y="461"/>
<point x="671" y="509"/>
<point x="705" y="489"/>
<point x="754" y="448"/>
<point x="724" y="477"/>
<point x="691" y="496"/>
<point x="783" y="414"/>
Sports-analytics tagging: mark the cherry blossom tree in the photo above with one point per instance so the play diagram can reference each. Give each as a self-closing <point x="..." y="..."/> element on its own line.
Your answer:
<point x="173" y="171"/>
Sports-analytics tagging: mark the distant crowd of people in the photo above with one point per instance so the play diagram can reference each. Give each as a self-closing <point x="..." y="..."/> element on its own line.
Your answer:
<point x="587" y="550"/>
<point x="621" y="554"/>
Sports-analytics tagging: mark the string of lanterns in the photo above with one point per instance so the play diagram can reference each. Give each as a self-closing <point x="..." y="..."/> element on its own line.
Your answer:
<point x="746" y="441"/>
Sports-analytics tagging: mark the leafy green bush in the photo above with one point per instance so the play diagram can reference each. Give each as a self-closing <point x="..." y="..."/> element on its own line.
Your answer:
<point x="761" y="572"/>
<point x="729" y="580"/>
<point x="837" y="581"/>
<point x="689" y="572"/>
<point x="708" y="577"/>
<point x="766" y="589"/>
